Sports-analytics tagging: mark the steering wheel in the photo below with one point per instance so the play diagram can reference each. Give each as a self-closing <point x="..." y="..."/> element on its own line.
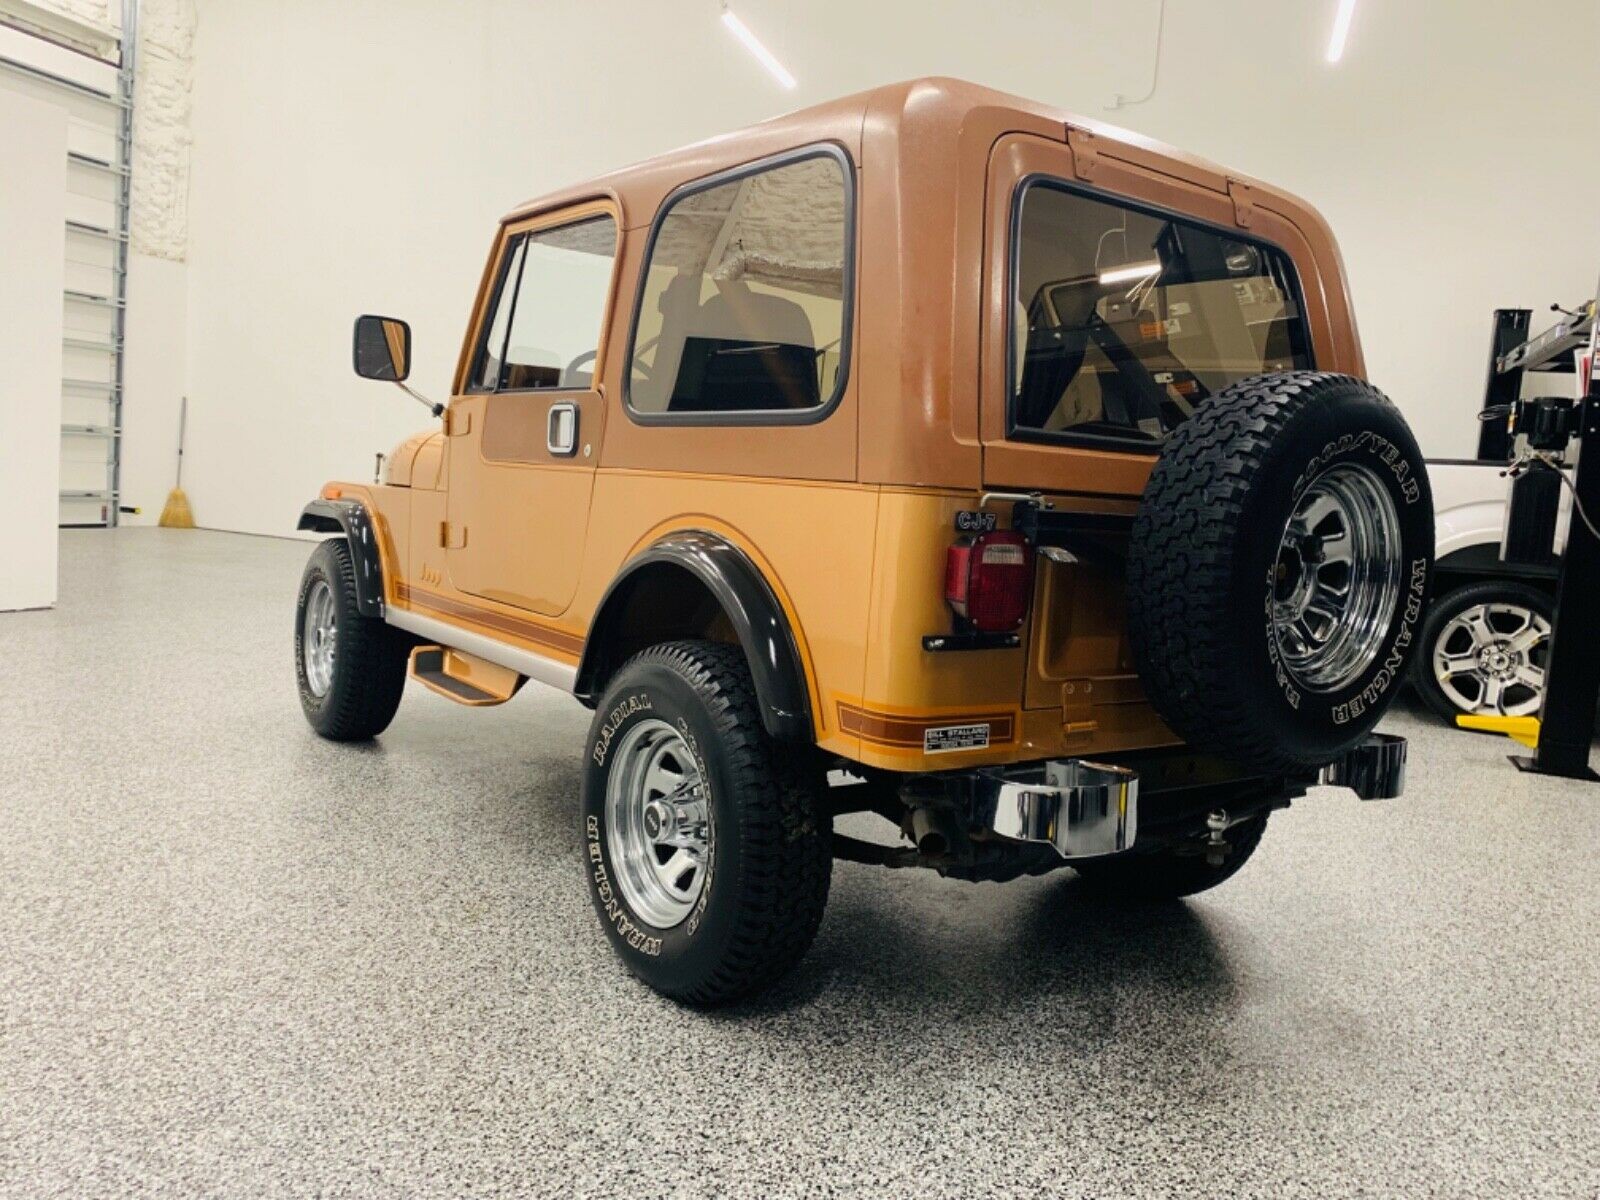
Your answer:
<point x="588" y="356"/>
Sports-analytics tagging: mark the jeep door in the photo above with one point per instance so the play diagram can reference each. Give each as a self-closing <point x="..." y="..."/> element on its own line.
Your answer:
<point x="524" y="432"/>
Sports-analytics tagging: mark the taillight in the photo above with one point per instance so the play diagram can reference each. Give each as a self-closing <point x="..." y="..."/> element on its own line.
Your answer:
<point x="988" y="580"/>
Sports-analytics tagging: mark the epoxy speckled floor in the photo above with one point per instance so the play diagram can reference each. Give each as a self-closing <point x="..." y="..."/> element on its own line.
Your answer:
<point x="238" y="961"/>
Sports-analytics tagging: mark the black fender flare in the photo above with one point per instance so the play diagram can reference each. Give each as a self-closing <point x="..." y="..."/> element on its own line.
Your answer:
<point x="752" y="608"/>
<point x="350" y="517"/>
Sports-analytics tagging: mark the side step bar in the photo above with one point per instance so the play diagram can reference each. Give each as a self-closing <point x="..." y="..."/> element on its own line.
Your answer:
<point x="462" y="677"/>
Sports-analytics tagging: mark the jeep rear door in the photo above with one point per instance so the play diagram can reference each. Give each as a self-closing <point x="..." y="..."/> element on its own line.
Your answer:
<point x="1120" y="289"/>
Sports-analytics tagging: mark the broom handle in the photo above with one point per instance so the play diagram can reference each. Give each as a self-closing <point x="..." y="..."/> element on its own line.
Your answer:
<point x="183" y="419"/>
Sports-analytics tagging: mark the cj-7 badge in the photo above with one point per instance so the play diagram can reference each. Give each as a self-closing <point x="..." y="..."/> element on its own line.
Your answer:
<point x="971" y="521"/>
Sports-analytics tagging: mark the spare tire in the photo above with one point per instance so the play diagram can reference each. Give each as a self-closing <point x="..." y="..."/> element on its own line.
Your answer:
<point x="1278" y="568"/>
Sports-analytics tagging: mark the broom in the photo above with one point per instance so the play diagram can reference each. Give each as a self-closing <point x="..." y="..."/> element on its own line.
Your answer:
<point x="176" y="515"/>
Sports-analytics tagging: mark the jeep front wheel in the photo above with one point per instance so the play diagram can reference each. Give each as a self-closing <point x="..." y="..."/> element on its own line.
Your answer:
<point x="351" y="669"/>
<point x="706" y="847"/>
<point x="1278" y="567"/>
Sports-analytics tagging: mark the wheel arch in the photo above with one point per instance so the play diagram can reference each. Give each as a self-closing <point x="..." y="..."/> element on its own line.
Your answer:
<point x="688" y="584"/>
<point x="351" y="519"/>
<point x="1480" y="563"/>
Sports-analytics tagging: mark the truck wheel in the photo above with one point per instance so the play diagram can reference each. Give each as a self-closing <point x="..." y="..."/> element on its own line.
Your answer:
<point x="351" y="669"/>
<point x="1167" y="874"/>
<point x="1484" y="649"/>
<point x="1277" y="569"/>
<point x="706" y="846"/>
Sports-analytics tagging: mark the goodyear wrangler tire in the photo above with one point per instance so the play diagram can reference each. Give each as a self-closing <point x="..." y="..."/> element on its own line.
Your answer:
<point x="706" y="846"/>
<point x="1278" y="568"/>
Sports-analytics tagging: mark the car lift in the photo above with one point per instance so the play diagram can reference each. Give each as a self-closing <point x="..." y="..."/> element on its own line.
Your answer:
<point x="1536" y="438"/>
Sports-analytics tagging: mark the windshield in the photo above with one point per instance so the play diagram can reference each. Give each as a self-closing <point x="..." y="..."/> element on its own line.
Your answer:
<point x="1124" y="320"/>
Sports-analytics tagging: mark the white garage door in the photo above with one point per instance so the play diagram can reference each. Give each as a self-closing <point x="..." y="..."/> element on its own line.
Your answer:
<point x="97" y="96"/>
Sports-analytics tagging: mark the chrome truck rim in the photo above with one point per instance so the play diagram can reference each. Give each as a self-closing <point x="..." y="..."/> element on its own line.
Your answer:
<point x="1337" y="578"/>
<point x="319" y="637"/>
<point x="1489" y="660"/>
<point x="657" y="825"/>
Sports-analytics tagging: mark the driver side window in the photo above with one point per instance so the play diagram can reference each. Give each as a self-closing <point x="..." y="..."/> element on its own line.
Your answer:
<point x="549" y="309"/>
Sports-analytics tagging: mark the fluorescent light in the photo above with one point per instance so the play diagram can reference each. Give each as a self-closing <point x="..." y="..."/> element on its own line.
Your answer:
<point x="1341" y="29"/>
<point x="1134" y="271"/>
<point x="753" y="44"/>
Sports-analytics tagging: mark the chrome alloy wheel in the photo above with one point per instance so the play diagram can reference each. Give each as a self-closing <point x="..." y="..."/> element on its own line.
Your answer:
<point x="1489" y="660"/>
<point x="319" y="638"/>
<point x="1337" y="578"/>
<point x="657" y="823"/>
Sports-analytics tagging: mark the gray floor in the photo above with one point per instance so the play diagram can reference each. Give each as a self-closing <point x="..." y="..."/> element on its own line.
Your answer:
<point x="235" y="960"/>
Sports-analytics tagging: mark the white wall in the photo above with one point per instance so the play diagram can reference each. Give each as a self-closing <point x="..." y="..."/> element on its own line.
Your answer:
<point x="354" y="157"/>
<point x="155" y="369"/>
<point x="33" y="164"/>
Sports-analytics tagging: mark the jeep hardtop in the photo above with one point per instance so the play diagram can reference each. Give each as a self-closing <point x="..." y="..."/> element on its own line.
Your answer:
<point x="930" y="454"/>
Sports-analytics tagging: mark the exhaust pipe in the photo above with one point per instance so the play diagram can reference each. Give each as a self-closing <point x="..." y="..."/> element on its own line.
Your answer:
<point x="932" y="831"/>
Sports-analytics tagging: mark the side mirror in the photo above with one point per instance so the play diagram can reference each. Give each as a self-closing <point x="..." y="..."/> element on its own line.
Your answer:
<point x="382" y="349"/>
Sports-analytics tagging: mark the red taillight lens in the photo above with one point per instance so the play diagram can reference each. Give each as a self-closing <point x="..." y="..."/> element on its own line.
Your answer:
<point x="989" y="580"/>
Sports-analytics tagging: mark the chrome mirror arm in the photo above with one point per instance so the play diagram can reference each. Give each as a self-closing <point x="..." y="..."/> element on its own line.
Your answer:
<point x="436" y="409"/>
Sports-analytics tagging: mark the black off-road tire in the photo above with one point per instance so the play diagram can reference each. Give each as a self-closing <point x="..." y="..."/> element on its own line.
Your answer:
<point x="369" y="663"/>
<point x="1203" y="555"/>
<point x="1444" y="608"/>
<point x="769" y="835"/>
<point x="1168" y="875"/>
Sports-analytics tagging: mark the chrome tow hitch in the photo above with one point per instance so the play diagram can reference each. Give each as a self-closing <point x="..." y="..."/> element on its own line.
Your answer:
<point x="1373" y="770"/>
<point x="1089" y="809"/>
<point x="1083" y="809"/>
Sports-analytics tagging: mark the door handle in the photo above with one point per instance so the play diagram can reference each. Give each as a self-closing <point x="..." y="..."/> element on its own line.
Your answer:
<point x="561" y="437"/>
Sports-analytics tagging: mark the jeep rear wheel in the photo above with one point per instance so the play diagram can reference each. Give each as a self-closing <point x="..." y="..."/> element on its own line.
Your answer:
<point x="1277" y="569"/>
<point x="707" y="849"/>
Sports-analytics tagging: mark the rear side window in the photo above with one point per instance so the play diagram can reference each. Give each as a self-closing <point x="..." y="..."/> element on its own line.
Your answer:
<point x="1124" y="319"/>
<point x="549" y="309"/>
<point x="744" y="304"/>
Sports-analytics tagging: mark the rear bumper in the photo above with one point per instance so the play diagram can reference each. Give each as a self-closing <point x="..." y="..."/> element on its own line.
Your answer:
<point x="1089" y="810"/>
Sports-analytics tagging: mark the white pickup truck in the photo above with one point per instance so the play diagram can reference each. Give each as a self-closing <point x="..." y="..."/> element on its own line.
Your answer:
<point x="1487" y="633"/>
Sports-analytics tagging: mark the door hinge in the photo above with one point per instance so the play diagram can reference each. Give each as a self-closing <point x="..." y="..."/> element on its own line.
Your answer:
<point x="1244" y="206"/>
<point x="1085" y="155"/>
<point x="452" y="537"/>
<point x="457" y="423"/>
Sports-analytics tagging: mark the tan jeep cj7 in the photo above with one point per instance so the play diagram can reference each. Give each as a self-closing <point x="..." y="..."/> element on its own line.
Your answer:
<point x="931" y="454"/>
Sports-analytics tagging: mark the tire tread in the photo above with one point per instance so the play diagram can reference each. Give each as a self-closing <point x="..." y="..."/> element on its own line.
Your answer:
<point x="786" y="855"/>
<point x="1181" y="561"/>
<point x="370" y="667"/>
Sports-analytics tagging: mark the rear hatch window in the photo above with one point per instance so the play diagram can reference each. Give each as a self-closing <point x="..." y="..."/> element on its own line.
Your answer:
<point x="1125" y="318"/>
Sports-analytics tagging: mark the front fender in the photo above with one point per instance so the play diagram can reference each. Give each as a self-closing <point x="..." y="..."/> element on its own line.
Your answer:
<point x="351" y="518"/>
